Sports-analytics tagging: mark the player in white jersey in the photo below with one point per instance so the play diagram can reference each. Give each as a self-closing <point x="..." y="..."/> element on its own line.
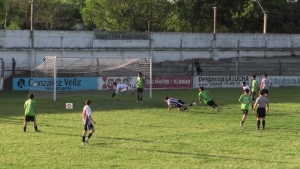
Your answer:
<point x="121" y="88"/>
<point x="87" y="122"/>
<point x="265" y="85"/>
<point x="245" y="86"/>
<point x="177" y="102"/>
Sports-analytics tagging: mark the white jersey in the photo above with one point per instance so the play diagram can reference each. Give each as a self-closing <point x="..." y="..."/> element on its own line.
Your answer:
<point x="246" y="87"/>
<point x="123" y="88"/>
<point x="86" y="113"/>
<point x="266" y="83"/>
<point x="174" y="102"/>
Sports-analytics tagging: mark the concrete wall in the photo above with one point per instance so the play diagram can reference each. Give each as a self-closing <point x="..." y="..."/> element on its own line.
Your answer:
<point x="161" y="46"/>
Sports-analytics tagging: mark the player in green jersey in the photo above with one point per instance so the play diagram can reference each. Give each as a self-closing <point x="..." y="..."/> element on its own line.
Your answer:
<point x="245" y="100"/>
<point x="141" y="81"/>
<point x="254" y="88"/>
<point x="205" y="96"/>
<point x="30" y="112"/>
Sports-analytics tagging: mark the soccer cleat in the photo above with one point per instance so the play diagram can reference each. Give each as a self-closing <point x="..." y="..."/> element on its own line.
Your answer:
<point x="86" y="141"/>
<point x="83" y="143"/>
<point x="241" y="124"/>
<point x="113" y="94"/>
<point x="194" y="103"/>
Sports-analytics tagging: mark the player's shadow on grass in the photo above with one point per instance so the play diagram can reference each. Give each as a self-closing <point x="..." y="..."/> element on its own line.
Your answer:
<point x="205" y="155"/>
<point x="128" y="139"/>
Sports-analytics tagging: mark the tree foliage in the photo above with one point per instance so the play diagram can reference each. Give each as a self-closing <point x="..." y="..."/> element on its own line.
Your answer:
<point x="241" y="16"/>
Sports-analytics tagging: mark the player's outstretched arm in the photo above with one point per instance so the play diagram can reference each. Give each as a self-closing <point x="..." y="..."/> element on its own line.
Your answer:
<point x="169" y="107"/>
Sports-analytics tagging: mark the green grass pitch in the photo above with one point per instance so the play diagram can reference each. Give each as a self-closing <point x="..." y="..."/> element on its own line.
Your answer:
<point x="136" y="135"/>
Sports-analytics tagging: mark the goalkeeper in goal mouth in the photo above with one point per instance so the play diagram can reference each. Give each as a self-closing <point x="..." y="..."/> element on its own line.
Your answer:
<point x="121" y="88"/>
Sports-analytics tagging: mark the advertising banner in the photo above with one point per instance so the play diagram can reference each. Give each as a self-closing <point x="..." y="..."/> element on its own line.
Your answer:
<point x="280" y="81"/>
<point x="62" y="84"/>
<point x="158" y="82"/>
<point x="175" y="82"/>
<point x="221" y="81"/>
<point x="106" y="83"/>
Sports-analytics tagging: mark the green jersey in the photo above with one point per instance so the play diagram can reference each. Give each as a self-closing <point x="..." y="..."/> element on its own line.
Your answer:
<point x="254" y="86"/>
<point x="29" y="107"/>
<point x="140" y="82"/>
<point x="245" y="99"/>
<point x="204" y="95"/>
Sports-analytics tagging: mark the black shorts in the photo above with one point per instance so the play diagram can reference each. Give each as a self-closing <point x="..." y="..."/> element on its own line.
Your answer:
<point x="88" y="127"/>
<point x="245" y="111"/>
<point x="30" y="118"/>
<point x="180" y="104"/>
<point x="265" y="91"/>
<point x="140" y="90"/>
<point x="261" y="112"/>
<point x="253" y="95"/>
<point x="211" y="103"/>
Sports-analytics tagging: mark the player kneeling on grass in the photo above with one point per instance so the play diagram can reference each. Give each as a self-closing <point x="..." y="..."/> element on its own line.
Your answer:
<point x="87" y="121"/>
<point x="121" y="88"/>
<point x="176" y="102"/>
<point x="245" y="100"/>
<point x="205" y="96"/>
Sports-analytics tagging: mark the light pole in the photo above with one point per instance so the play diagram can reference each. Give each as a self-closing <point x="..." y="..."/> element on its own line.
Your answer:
<point x="215" y="18"/>
<point x="32" y="25"/>
<point x="33" y="60"/>
<point x="265" y="17"/>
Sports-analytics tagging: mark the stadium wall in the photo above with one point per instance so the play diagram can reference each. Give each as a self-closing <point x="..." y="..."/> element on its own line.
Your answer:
<point x="160" y="45"/>
<point x="158" y="82"/>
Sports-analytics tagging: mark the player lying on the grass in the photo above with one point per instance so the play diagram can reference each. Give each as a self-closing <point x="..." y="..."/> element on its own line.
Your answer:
<point x="205" y="96"/>
<point x="177" y="102"/>
<point x="121" y="88"/>
<point x="245" y="100"/>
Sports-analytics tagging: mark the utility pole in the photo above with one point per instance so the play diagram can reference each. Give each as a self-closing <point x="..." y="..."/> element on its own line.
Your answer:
<point x="265" y="17"/>
<point x="32" y="24"/>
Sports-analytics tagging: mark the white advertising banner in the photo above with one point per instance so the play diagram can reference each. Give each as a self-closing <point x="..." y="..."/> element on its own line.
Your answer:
<point x="221" y="81"/>
<point x="280" y="81"/>
<point x="105" y="83"/>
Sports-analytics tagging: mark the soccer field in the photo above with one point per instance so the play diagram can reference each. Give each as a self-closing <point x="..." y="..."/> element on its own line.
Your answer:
<point x="146" y="135"/>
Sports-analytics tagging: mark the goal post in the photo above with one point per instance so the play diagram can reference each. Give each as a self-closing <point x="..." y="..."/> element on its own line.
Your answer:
<point x="75" y="76"/>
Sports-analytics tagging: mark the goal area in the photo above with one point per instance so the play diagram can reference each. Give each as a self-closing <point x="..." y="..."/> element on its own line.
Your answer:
<point x="74" y="76"/>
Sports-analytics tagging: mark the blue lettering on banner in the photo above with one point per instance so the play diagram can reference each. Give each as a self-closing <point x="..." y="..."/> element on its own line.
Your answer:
<point x="62" y="84"/>
<point x="278" y="81"/>
<point x="221" y="81"/>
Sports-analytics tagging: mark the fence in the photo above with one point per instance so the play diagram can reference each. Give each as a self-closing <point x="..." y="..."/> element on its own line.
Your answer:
<point x="1" y="73"/>
<point x="251" y="68"/>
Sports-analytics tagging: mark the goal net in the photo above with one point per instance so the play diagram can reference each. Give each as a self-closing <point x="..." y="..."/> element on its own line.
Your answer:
<point x="86" y="76"/>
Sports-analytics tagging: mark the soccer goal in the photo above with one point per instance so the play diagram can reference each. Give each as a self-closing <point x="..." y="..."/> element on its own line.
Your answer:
<point x="87" y="76"/>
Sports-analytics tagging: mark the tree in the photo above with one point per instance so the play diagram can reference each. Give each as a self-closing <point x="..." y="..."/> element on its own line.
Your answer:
<point x="127" y="15"/>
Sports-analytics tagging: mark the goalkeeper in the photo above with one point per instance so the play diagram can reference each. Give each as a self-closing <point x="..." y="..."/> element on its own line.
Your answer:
<point x="121" y="88"/>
